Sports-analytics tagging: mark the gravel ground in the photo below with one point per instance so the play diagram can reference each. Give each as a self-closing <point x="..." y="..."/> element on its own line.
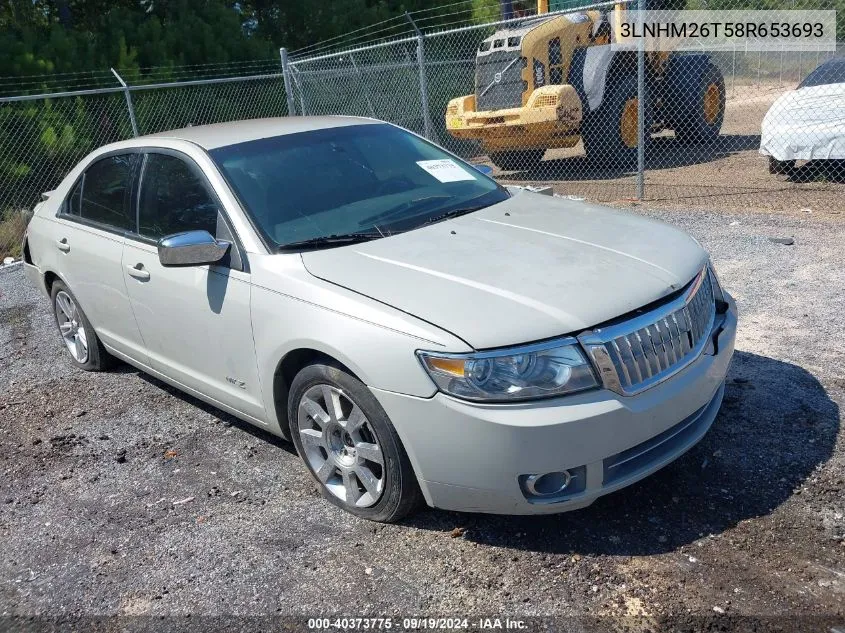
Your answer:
<point x="746" y="531"/>
<point x="727" y="174"/>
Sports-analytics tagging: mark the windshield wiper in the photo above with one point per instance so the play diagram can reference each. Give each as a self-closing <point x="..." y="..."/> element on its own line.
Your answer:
<point x="330" y="240"/>
<point x="405" y="206"/>
<point x="452" y="213"/>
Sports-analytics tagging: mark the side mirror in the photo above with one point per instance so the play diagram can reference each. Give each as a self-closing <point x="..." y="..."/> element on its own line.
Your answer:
<point x="191" y="248"/>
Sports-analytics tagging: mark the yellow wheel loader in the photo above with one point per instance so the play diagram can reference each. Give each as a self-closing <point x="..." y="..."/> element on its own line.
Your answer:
<point x="554" y="80"/>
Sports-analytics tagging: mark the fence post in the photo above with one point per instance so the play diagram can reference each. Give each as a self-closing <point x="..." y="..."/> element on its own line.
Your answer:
<point x="641" y="105"/>
<point x="283" y="53"/>
<point x="363" y="87"/>
<point x="733" y="73"/>
<point x="129" y="105"/>
<point x="429" y="129"/>
<point x="301" y="91"/>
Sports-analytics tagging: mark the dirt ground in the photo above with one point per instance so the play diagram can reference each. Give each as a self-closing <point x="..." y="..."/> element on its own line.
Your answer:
<point x="122" y="497"/>
<point x="729" y="174"/>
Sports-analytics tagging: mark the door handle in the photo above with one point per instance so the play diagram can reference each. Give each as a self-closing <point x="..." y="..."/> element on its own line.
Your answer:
<point x="62" y="245"/>
<point x="137" y="271"/>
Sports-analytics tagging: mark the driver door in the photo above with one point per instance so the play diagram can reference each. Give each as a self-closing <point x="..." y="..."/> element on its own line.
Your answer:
<point x="194" y="320"/>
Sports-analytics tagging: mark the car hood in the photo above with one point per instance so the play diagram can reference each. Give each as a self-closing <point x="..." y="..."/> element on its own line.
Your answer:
<point x="529" y="268"/>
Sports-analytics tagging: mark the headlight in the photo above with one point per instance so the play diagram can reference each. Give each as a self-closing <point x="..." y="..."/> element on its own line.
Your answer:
<point x="522" y="373"/>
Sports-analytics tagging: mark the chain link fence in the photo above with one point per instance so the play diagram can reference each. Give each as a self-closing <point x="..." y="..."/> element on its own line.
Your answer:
<point x="44" y="134"/>
<point x="538" y="99"/>
<point x="543" y="100"/>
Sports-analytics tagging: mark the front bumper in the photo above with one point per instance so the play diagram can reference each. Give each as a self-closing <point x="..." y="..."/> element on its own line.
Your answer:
<point x="470" y="457"/>
<point x="550" y="118"/>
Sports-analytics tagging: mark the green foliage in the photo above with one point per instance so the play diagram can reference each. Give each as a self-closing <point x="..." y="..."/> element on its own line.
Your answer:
<point x="41" y="140"/>
<point x="486" y="11"/>
<point x="12" y="227"/>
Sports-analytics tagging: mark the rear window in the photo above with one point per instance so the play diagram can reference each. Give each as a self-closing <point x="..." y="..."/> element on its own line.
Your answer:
<point x="102" y="194"/>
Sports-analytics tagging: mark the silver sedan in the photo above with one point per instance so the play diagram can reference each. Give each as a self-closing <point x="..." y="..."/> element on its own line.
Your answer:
<point x="420" y="332"/>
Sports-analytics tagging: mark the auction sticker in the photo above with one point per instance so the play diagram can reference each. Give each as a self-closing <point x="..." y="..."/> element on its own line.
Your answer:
<point x="445" y="170"/>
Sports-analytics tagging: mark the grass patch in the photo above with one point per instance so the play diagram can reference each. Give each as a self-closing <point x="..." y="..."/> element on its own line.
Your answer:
<point x="12" y="227"/>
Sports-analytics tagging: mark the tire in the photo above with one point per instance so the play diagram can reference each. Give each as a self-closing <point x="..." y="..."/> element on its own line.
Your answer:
<point x="76" y="331"/>
<point x="522" y="160"/>
<point x="706" y="107"/>
<point x="332" y="446"/>
<point x="783" y="167"/>
<point x="608" y="135"/>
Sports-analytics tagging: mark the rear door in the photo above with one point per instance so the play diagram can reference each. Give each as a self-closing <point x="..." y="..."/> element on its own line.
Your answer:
<point x="88" y="236"/>
<point x="195" y="320"/>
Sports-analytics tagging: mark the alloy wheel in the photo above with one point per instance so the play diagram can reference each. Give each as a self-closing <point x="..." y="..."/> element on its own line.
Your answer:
<point x="71" y="328"/>
<point x="340" y="446"/>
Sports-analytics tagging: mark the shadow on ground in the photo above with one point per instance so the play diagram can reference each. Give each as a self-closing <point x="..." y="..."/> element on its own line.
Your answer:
<point x="775" y="426"/>
<point x="224" y="417"/>
<point x="832" y="171"/>
<point x="664" y="152"/>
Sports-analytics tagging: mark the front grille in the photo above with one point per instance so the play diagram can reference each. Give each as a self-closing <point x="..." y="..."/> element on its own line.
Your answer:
<point x="638" y="353"/>
<point x="545" y="100"/>
<point x="498" y="80"/>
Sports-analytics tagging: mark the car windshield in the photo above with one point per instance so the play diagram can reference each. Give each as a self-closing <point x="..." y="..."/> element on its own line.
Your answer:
<point x="831" y="72"/>
<point x="367" y="180"/>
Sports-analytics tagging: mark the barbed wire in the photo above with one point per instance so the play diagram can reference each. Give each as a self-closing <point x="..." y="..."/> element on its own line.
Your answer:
<point x="96" y="79"/>
<point x="401" y="20"/>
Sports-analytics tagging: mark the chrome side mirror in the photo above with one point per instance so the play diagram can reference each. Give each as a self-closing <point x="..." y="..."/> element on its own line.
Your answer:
<point x="191" y="248"/>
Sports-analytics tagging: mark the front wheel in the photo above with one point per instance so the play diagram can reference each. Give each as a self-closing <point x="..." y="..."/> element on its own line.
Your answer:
<point x="522" y="160"/>
<point x="784" y="167"/>
<point x="349" y="445"/>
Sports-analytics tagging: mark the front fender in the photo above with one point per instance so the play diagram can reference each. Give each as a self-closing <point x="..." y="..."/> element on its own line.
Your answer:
<point x="292" y="310"/>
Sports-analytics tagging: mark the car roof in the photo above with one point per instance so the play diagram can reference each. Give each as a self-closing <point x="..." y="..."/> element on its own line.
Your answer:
<point x="222" y="134"/>
<point x="828" y="72"/>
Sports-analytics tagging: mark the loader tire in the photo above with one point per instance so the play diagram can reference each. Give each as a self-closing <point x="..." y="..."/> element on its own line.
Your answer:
<point x="610" y="133"/>
<point x="703" y="121"/>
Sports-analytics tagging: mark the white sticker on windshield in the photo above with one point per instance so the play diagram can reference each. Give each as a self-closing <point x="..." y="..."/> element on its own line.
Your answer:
<point x="445" y="170"/>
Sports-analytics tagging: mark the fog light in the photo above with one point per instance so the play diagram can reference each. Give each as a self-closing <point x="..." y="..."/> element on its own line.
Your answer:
<point x="548" y="484"/>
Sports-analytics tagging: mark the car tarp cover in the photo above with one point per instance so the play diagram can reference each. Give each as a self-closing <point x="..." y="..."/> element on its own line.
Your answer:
<point x="806" y="124"/>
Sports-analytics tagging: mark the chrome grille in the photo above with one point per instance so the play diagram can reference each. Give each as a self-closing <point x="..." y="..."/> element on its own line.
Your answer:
<point x="498" y="81"/>
<point x="636" y="354"/>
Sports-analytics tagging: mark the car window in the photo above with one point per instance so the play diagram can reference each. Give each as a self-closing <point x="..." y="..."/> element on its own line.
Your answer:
<point x="174" y="199"/>
<point x="373" y="178"/>
<point x="102" y="194"/>
<point x="73" y="206"/>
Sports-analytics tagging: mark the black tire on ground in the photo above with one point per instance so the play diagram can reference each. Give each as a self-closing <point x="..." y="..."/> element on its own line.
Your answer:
<point x="608" y="135"/>
<point x="522" y="160"/>
<point x="98" y="358"/>
<point x="703" y="120"/>
<point x="785" y="167"/>
<point x="401" y="494"/>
